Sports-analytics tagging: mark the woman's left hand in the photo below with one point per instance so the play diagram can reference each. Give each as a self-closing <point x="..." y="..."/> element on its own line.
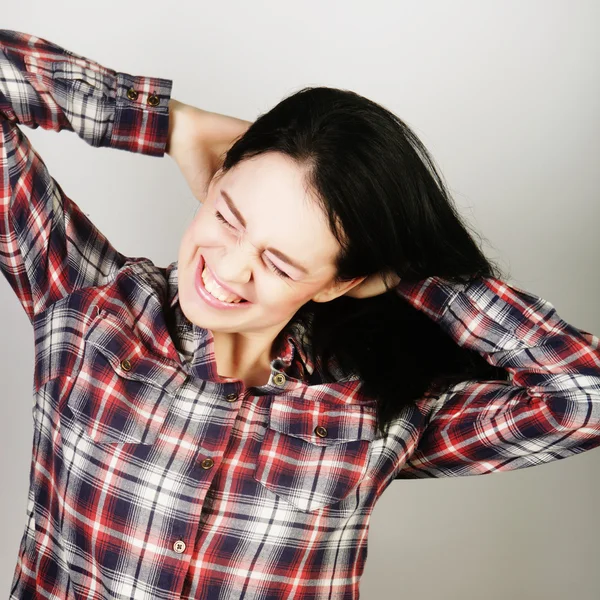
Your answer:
<point x="373" y="285"/>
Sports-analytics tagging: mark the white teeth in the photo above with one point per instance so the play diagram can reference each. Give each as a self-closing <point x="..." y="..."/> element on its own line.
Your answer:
<point x="216" y="290"/>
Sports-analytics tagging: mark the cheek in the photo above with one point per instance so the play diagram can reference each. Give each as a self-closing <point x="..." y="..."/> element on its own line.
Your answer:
<point x="201" y="232"/>
<point x="280" y="298"/>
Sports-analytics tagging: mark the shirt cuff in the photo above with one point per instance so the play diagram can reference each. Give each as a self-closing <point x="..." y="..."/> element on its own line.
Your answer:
<point x="141" y="122"/>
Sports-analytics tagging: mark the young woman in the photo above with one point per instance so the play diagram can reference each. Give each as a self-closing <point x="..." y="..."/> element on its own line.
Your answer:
<point x="223" y="427"/>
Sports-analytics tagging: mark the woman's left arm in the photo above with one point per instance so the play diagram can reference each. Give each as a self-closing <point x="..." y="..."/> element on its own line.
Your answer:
<point x="548" y="410"/>
<point x="198" y="140"/>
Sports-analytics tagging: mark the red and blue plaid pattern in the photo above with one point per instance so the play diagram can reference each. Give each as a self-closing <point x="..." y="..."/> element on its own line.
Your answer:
<point x="154" y="477"/>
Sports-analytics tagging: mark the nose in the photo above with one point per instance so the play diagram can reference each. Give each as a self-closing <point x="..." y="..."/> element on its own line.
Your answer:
<point x="235" y="266"/>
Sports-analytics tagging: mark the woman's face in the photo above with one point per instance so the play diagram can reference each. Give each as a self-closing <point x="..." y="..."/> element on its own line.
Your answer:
<point x="268" y="213"/>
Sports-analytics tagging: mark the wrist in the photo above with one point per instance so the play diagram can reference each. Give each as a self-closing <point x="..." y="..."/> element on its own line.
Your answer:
<point x="174" y="109"/>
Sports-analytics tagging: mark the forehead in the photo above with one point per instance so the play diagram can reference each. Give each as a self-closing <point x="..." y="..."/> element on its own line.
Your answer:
<point x="271" y="193"/>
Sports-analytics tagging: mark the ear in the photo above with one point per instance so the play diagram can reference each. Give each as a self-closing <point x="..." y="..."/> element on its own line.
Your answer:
<point x="337" y="290"/>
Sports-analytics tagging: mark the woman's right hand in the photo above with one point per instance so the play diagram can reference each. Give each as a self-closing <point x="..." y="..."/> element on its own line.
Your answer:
<point x="198" y="140"/>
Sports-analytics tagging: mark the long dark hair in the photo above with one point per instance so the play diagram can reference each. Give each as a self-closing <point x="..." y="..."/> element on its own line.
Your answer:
<point x="389" y="209"/>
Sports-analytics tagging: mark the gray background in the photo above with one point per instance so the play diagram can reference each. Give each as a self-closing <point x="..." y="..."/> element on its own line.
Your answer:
<point x="504" y="94"/>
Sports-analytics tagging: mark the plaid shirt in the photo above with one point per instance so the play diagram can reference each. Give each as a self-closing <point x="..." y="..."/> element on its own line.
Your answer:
<point x="154" y="477"/>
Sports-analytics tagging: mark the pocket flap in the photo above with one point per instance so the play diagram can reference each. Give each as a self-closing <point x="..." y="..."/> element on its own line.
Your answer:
<point x="122" y="391"/>
<point x="119" y="344"/>
<point x="321" y="422"/>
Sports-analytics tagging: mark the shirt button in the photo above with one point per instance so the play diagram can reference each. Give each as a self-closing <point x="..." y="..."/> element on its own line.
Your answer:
<point x="231" y="397"/>
<point x="132" y="94"/>
<point x="179" y="546"/>
<point x="126" y="365"/>
<point x="153" y="100"/>
<point x="207" y="463"/>
<point x="279" y="379"/>
<point x="320" y="431"/>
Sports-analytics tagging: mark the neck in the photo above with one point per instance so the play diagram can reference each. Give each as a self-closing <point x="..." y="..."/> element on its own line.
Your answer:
<point x="240" y="357"/>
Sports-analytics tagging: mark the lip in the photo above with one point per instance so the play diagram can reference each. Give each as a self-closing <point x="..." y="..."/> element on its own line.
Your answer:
<point x="207" y="297"/>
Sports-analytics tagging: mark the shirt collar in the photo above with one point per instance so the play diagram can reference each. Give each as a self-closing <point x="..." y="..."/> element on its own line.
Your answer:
<point x="294" y="350"/>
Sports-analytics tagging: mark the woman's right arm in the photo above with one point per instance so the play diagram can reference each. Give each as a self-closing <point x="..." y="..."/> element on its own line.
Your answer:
<point x="48" y="247"/>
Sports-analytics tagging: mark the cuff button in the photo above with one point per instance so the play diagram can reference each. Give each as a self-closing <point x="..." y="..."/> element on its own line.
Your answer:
<point x="132" y="94"/>
<point x="153" y="100"/>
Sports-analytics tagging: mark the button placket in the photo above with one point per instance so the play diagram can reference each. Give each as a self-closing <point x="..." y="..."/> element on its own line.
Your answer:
<point x="279" y="379"/>
<point x="207" y="463"/>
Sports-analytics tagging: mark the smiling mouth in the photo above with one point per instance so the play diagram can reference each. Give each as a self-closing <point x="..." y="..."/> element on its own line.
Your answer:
<point x="211" y="287"/>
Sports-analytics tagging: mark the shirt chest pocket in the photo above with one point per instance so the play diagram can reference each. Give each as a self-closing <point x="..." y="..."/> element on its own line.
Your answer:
<point x="317" y="456"/>
<point x="122" y="392"/>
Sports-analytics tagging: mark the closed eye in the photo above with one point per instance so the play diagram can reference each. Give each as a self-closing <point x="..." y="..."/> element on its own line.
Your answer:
<point x="272" y="266"/>
<point x="221" y="218"/>
<point x="278" y="271"/>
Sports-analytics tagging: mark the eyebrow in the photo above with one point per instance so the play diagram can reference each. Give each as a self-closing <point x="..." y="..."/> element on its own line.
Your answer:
<point x="238" y="215"/>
